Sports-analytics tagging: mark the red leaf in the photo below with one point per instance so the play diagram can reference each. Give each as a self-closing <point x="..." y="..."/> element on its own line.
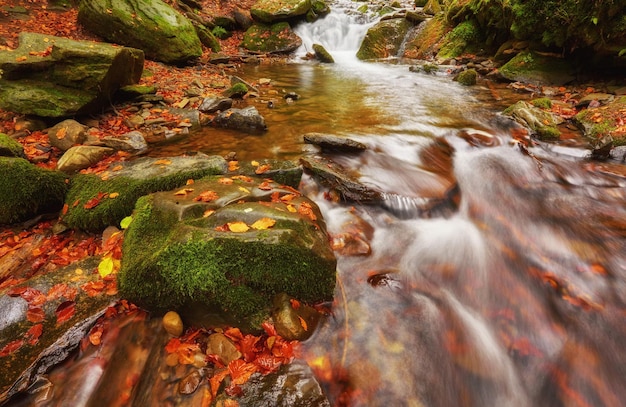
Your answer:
<point x="241" y="371"/>
<point x="65" y="311"/>
<point x="34" y="333"/>
<point x="268" y="363"/>
<point x="269" y="329"/>
<point x="11" y="347"/>
<point x="93" y="202"/>
<point x="35" y="314"/>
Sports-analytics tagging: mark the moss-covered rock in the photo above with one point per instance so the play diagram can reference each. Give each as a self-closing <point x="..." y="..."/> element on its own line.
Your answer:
<point x="603" y="121"/>
<point x="271" y="11"/>
<point x="237" y="91"/>
<point x="57" y="77"/>
<point x="227" y="246"/>
<point x="274" y="39"/>
<point x="151" y="25"/>
<point x="207" y="38"/>
<point x="9" y="147"/>
<point x="467" y="77"/>
<point x="464" y="38"/>
<point x="322" y="54"/>
<point x="27" y="190"/>
<point x="383" y="40"/>
<point x="424" y="43"/>
<point x="531" y="67"/>
<point x="116" y="192"/>
<point x="540" y="122"/>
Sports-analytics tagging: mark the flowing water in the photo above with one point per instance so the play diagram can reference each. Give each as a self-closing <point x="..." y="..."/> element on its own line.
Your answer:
<point x="491" y="275"/>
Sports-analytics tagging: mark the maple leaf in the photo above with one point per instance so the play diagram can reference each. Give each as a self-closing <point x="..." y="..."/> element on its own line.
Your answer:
<point x="206" y="196"/>
<point x="33" y="334"/>
<point x="263" y="223"/>
<point x="265" y="186"/>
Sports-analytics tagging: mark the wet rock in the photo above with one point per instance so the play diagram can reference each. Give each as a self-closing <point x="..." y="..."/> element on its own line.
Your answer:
<point x="189" y="384"/>
<point x="56" y="77"/>
<point x="277" y="38"/>
<point x="293" y="320"/>
<point x="284" y="172"/>
<point x="531" y="67"/>
<point x="27" y="190"/>
<point x="600" y="98"/>
<point x="270" y="11"/>
<point x="151" y="25"/>
<point x="335" y="177"/>
<point x="135" y="179"/>
<point x="57" y="337"/>
<point x="10" y="148"/>
<point x="540" y="122"/>
<point x="236" y="91"/>
<point x="322" y="54"/>
<point x="331" y="143"/>
<point x="214" y="104"/>
<point x="226" y="245"/>
<point x="247" y="120"/>
<point x="383" y="40"/>
<point x="172" y="323"/>
<point x="67" y="134"/>
<point x="222" y="347"/>
<point x="81" y="157"/>
<point x="600" y="121"/>
<point x="294" y="385"/>
<point x="291" y="96"/>
<point x="467" y="77"/>
<point x="243" y="18"/>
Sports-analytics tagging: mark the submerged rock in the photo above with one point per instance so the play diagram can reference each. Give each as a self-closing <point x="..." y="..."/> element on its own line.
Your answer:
<point x="322" y="54"/>
<point x="56" y="77"/>
<point x="226" y="246"/>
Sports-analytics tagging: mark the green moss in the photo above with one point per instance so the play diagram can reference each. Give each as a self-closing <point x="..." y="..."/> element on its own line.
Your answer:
<point x="384" y="39"/>
<point x="112" y="211"/>
<point x="465" y="37"/>
<point x="238" y="90"/>
<point x="271" y="38"/>
<point x="467" y="77"/>
<point x="27" y="190"/>
<point x="429" y="34"/>
<point x="548" y="133"/>
<point x="542" y="103"/>
<point x="9" y="147"/>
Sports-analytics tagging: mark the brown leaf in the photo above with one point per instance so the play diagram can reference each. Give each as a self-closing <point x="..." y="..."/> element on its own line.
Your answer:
<point x="65" y="311"/>
<point x="206" y="196"/>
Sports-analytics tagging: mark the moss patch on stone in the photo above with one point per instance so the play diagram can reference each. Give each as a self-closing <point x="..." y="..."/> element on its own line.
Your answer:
<point x="424" y="42"/>
<point x="604" y="120"/>
<point x="464" y="38"/>
<point x="27" y="190"/>
<point x="531" y="67"/>
<point x="467" y="77"/>
<point x="9" y="147"/>
<point x="275" y="38"/>
<point x="383" y="40"/>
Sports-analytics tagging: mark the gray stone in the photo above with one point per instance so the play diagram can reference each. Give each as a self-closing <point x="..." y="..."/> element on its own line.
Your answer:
<point x="329" y="142"/>
<point x="214" y="104"/>
<point x="247" y="120"/>
<point x="132" y="142"/>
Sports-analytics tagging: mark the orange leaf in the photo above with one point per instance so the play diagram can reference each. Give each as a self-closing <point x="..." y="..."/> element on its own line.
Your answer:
<point x="206" y="196"/>
<point x="263" y="169"/>
<point x="61" y="133"/>
<point x="225" y="181"/>
<point x="305" y="326"/>
<point x="240" y="371"/>
<point x="65" y="311"/>
<point x="11" y="347"/>
<point x="265" y="186"/>
<point x="233" y="165"/>
<point x="263" y="223"/>
<point x="238" y="227"/>
<point x="183" y="191"/>
<point x="34" y="333"/>
<point x="35" y="314"/>
<point x="163" y="161"/>
<point x="208" y="213"/>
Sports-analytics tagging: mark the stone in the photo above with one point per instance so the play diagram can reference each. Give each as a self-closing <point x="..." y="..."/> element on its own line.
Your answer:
<point x="540" y="122"/>
<point x="27" y="190"/>
<point x="531" y="67"/>
<point x="132" y="142"/>
<point x="277" y="38"/>
<point x="10" y="148"/>
<point x="57" y="77"/>
<point x="271" y="11"/>
<point x="329" y="142"/>
<point x="150" y="25"/>
<point x="467" y="77"/>
<point x="135" y="179"/>
<point x="294" y="322"/>
<point x="246" y="120"/>
<point x="243" y="18"/>
<point x="207" y="38"/>
<point x="226" y="246"/>
<point x="80" y="157"/>
<point x="172" y="323"/>
<point x="222" y="347"/>
<point x="67" y="134"/>
<point x="384" y="39"/>
<point x="322" y="54"/>
<point x="215" y="104"/>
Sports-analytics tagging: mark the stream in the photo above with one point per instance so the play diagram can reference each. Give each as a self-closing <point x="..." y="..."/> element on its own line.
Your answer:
<point x="491" y="275"/>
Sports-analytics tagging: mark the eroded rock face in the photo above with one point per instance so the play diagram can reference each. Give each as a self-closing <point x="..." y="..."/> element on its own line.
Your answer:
<point x="150" y="25"/>
<point x="226" y="246"/>
<point x="384" y="39"/>
<point x="540" y="122"/>
<point x="56" y="77"/>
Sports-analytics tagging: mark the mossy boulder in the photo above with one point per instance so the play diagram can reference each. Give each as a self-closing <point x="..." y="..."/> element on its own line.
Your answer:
<point x="540" y="122"/>
<point x="226" y="246"/>
<point x="423" y="43"/>
<point x="271" y="11"/>
<point x="322" y="54"/>
<point x="383" y="40"/>
<point x="27" y="190"/>
<point x="606" y="120"/>
<point x="467" y="77"/>
<point x="97" y="201"/>
<point x="151" y="25"/>
<point x="531" y="67"/>
<point x="464" y="38"/>
<point x="56" y="77"/>
<point x="10" y="147"/>
<point x="273" y="39"/>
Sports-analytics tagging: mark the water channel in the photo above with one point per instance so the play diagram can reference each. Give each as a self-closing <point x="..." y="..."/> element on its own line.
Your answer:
<point x="511" y="293"/>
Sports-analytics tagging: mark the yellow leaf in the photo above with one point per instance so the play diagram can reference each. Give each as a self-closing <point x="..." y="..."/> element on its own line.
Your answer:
<point x="208" y="213"/>
<point x="61" y="133"/>
<point x="114" y="195"/>
<point x="105" y="267"/>
<point x="263" y="223"/>
<point x="238" y="227"/>
<point x="291" y="208"/>
<point x="233" y="165"/>
<point x="244" y="189"/>
<point x="163" y="161"/>
<point x="255" y="163"/>
<point x="183" y="191"/>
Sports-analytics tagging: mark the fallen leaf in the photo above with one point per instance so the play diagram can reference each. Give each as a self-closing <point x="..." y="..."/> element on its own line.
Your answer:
<point x="93" y="202"/>
<point x="238" y="227"/>
<point x="114" y="195"/>
<point x="265" y="186"/>
<point x="163" y="161"/>
<point x="225" y="181"/>
<point x="105" y="267"/>
<point x="65" y="311"/>
<point x="206" y="196"/>
<point x="190" y="181"/>
<point x="183" y="191"/>
<point x="291" y="208"/>
<point x="11" y="347"/>
<point x="35" y="314"/>
<point x="125" y="223"/>
<point x="263" y="223"/>
<point x="244" y="189"/>
<point x="263" y="169"/>
<point x="305" y="326"/>
<point x="208" y="213"/>
<point x="254" y="163"/>
<point x="33" y="334"/>
<point x="61" y="133"/>
<point x="233" y="165"/>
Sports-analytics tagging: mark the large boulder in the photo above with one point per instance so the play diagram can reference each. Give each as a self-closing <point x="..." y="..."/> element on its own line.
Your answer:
<point x="95" y="202"/>
<point x="247" y="120"/>
<point x="384" y="39"/>
<point x="151" y="25"/>
<point x="273" y="39"/>
<point x="10" y="147"/>
<point x="57" y="77"/>
<point x="225" y="247"/>
<point x="538" y="69"/>
<point x="270" y="11"/>
<point x="27" y="190"/>
<point x="540" y="122"/>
